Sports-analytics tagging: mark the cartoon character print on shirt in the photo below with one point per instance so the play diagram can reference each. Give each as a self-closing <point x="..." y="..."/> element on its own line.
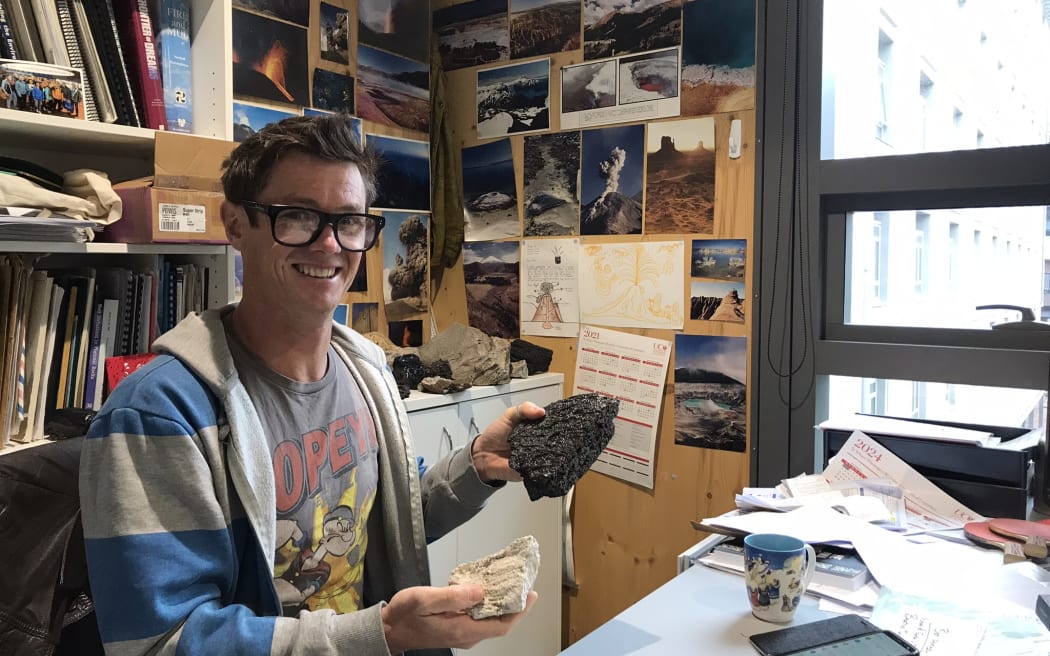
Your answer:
<point x="321" y="540"/>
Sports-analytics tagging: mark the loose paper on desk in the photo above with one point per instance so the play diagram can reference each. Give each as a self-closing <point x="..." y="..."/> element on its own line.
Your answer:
<point x="929" y="508"/>
<point x="631" y="369"/>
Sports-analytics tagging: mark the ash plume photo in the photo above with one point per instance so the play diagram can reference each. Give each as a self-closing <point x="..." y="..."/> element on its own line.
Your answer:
<point x="718" y="56"/>
<point x="490" y="270"/>
<point x="588" y="86"/>
<point x="490" y="195"/>
<point x="542" y="27"/>
<point x="551" y="192"/>
<point x="680" y="176"/>
<point x="616" y="27"/>
<point x="710" y="392"/>
<point x="472" y="33"/>
<point x="513" y="99"/>
<point x="652" y="76"/>
<point x="611" y="179"/>
<point x="405" y="256"/>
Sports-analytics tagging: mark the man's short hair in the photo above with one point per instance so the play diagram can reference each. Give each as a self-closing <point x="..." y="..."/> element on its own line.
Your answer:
<point x="330" y="136"/>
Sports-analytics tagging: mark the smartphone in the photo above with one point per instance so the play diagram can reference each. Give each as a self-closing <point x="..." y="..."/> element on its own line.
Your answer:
<point x="881" y="643"/>
<point x="843" y="635"/>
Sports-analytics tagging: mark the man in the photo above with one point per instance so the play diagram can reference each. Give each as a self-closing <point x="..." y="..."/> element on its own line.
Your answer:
<point x="262" y="463"/>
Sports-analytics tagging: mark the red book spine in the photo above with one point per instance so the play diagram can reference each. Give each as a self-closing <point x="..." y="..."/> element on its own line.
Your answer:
<point x="137" y="35"/>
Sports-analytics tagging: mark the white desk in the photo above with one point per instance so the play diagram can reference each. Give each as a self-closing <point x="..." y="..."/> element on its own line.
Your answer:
<point x="700" y="611"/>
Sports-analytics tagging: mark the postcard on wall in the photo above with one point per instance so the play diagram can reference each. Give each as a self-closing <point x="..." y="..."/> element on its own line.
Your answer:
<point x="392" y="90"/>
<point x="540" y="27"/>
<point x="718" y="56"/>
<point x="710" y="392"/>
<point x="405" y="259"/>
<point x="490" y="192"/>
<point x="269" y="59"/>
<point x="722" y="259"/>
<point x="631" y="369"/>
<point x="680" y="176"/>
<point x="249" y="119"/>
<point x="717" y="301"/>
<point x="550" y="295"/>
<point x="613" y="27"/>
<point x="633" y="285"/>
<point x="490" y="271"/>
<point x="404" y="173"/>
<point x="355" y="123"/>
<point x="335" y="34"/>
<point x="398" y="26"/>
<point x="551" y="179"/>
<point x="611" y="174"/>
<point x="640" y="87"/>
<point x="472" y="33"/>
<point x="514" y="99"/>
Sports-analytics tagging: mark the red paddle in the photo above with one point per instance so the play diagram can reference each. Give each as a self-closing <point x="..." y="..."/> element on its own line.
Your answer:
<point x="1033" y="534"/>
<point x="979" y="533"/>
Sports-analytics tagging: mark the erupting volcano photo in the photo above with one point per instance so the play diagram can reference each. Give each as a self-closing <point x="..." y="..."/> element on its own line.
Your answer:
<point x="269" y="59"/>
<point x="611" y="174"/>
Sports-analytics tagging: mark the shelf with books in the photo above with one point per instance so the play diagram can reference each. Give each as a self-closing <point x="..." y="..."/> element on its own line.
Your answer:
<point x="17" y="127"/>
<point x="102" y="248"/>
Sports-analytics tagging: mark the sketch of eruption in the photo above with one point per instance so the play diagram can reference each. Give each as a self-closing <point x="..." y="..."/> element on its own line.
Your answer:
<point x="612" y="212"/>
<point x="547" y="310"/>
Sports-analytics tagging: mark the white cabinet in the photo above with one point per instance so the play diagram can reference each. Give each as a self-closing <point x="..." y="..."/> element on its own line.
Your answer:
<point x="441" y="423"/>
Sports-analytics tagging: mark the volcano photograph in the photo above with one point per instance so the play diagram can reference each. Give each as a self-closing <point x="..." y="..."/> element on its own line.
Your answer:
<point x="515" y="98"/>
<point x="651" y="76"/>
<point x="269" y="59"/>
<point x="404" y="173"/>
<point x="490" y="196"/>
<point x="710" y="392"/>
<point x="398" y="26"/>
<point x="472" y="33"/>
<point x="680" y="179"/>
<point x="617" y="27"/>
<point x="542" y="27"/>
<point x="588" y="86"/>
<point x="392" y="90"/>
<point x="552" y="171"/>
<point x="611" y="181"/>
<point x="718" y="57"/>
<point x="405" y="257"/>
<point x="249" y="119"/>
<point x="490" y="270"/>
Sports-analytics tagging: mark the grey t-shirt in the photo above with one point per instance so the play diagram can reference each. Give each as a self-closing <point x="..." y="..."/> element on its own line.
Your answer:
<point x="323" y="443"/>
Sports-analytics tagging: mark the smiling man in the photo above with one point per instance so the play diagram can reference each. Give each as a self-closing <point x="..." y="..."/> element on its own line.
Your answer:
<point x="253" y="490"/>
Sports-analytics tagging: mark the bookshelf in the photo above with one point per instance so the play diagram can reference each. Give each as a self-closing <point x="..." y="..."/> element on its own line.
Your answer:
<point x="123" y="152"/>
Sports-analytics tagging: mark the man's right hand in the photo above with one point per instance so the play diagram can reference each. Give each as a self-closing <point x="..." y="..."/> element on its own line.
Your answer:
<point x="422" y="618"/>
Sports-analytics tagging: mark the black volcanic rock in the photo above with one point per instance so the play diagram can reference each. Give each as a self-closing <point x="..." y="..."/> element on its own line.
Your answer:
<point x="552" y="453"/>
<point x="408" y="370"/>
<point x="437" y="368"/>
<point x="537" y="357"/>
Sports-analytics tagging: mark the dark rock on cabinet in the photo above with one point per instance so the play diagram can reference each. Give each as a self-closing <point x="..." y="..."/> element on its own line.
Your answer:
<point x="552" y="453"/>
<point x="537" y="357"/>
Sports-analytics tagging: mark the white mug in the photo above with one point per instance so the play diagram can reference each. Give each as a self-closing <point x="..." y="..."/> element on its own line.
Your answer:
<point x="777" y="570"/>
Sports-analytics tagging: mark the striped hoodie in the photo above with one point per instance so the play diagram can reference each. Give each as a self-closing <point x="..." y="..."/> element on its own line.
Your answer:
<point x="179" y="508"/>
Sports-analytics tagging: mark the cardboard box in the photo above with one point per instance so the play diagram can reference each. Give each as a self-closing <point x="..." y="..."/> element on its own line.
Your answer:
<point x="180" y="202"/>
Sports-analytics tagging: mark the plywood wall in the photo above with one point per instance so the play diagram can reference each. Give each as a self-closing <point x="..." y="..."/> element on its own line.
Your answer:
<point x="627" y="538"/>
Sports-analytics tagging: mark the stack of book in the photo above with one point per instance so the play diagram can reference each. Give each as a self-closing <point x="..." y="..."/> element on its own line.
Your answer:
<point x="123" y="61"/>
<point x="60" y="325"/>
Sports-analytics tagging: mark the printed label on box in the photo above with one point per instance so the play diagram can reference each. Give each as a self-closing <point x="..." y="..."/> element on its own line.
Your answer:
<point x="181" y="218"/>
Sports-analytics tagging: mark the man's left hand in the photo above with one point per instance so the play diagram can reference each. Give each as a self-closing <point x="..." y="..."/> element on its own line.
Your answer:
<point x="490" y="451"/>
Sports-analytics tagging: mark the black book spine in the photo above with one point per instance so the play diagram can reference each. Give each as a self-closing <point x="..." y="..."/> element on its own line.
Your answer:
<point x="7" y="38"/>
<point x="104" y="32"/>
<point x="76" y="60"/>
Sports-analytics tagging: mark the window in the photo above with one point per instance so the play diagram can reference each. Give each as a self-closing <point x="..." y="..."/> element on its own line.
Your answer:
<point x="885" y="82"/>
<point x="896" y="237"/>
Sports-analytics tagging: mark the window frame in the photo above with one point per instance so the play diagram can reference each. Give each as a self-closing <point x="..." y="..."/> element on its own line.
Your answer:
<point x="803" y="201"/>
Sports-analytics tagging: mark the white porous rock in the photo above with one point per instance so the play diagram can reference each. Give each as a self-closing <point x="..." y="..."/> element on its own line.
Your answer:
<point x="507" y="576"/>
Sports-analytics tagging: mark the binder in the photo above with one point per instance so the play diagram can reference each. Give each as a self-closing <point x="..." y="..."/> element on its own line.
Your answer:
<point x="20" y="17"/>
<point x="103" y="29"/>
<point x="95" y="74"/>
<point x="50" y="33"/>
<point x="8" y="48"/>
<point x="76" y="59"/>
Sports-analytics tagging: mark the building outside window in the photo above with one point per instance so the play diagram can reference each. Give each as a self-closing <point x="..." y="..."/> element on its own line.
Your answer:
<point x="918" y="222"/>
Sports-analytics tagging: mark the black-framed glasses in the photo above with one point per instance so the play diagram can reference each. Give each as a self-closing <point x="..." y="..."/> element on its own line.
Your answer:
<point x="301" y="226"/>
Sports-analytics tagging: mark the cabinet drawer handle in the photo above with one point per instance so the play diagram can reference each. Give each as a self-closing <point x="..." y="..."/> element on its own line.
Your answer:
<point x="473" y="429"/>
<point x="448" y="438"/>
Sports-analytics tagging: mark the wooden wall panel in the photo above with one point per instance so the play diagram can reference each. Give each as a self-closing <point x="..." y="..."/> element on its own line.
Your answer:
<point x="627" y="538"/>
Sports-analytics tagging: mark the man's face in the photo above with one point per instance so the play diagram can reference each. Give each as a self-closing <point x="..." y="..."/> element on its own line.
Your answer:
<point x="300" y="280"/>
